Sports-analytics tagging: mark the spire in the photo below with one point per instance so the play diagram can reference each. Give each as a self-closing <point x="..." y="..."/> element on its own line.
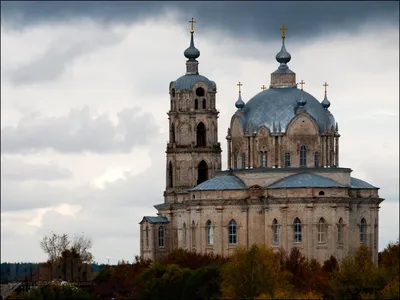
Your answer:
<point x="191" y="54"/>
<point x="325" y="103"/>
<point x="283" y="77"/>
<point x="337" y="127"/>
<point x="239" y="103"/>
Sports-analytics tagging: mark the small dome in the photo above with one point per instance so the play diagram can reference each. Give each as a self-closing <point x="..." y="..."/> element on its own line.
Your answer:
<point x="192" y="52"/>
<point x="325" y="103"/>
<point x="283" y="56"/>
<point x="239" y="103"/>
<point x="301" y="101"/>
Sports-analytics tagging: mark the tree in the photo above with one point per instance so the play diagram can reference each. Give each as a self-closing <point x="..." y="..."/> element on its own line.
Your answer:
<point x="251" y="273"/>
<point x="69" y="253"/>
<point x="357" y="277"/>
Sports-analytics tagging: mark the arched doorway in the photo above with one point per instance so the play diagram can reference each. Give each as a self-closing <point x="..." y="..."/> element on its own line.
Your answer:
<point x="201" y="135"/>
<point x="202" y="172"/>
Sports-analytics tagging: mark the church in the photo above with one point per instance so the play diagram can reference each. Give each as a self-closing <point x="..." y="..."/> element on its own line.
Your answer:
<point x="283" y="187"/>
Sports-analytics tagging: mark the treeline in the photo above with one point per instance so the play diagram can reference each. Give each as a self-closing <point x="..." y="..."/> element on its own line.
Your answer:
<point x="22" y="271"/>
<point x="256" y="273"/>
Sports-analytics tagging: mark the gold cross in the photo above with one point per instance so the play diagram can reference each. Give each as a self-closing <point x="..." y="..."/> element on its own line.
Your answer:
<point x="325" y="85"/>
<point x="263" y="87"/>
<point x="192" y="21"/>
<point x="301" y="83"/>
<point x="283" y="29"/>
<point x="239" y="85"/>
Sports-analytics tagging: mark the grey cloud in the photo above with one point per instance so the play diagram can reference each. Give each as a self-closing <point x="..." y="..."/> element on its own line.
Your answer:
<point x="259" y="19"/>
<point x="80" y="131"/>
<point x="53" y="62"/>
<point x="139" y="191"/>
<point x="15" y="170"/>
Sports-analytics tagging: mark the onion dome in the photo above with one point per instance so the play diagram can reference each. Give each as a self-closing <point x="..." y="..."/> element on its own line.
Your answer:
<point x="283" y="57"/>
<point x="239" y="103"/>
<point x="192" y="52"/>
<point x="301" y="101"/>
<point x="325" y="103"/>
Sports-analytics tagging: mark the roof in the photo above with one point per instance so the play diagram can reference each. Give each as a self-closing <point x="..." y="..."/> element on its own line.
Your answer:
<point x="186" y="82"/>
<point x="304" y="180"/>
<point x="279" y="105"/>
<point x="356" y="183"/>
<point x="228" y="182"/>
<point x="155" y="220"/>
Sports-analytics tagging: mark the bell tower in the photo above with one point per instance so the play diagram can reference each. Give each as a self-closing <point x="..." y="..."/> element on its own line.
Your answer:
<point x="193" y="150"/>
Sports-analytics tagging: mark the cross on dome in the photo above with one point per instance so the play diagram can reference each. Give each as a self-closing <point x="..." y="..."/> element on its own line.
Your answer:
<point x="192" y="21"/>
<point x="263" y="87"/>
<point x="325" y="85"/>
<point x="302" y="83"/>
<point x="239" y="85"/>
<point x="283" y="29"/>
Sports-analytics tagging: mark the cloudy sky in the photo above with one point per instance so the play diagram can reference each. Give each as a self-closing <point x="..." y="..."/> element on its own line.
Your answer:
<point x="84" y="96"/>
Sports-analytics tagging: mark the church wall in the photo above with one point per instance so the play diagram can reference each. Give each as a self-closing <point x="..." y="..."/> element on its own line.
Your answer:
<point x="266" y="178"/>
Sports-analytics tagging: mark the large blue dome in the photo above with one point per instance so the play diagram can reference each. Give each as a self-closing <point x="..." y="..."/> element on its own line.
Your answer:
<point x="279" y="105"/>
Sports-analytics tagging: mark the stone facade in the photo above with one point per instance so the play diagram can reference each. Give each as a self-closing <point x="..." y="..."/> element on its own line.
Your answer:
<point x="310" y="203"/>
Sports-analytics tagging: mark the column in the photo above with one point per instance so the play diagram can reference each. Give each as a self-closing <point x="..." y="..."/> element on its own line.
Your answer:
<point x="279" y="151"/>
<point x="322" y="152"/>
<point x="326" y="151"/>
<point x="251" y="149"/>
<point x="229" y="141"/>
<point x="273" y="162"/>
<point x="337" y="151"/>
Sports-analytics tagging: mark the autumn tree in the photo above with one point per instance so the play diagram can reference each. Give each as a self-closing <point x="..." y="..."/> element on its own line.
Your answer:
<point x="251" y="273"/>
<point x="357" y="277"/>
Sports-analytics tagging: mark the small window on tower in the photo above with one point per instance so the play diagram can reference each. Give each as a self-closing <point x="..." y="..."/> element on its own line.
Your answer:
<point x="173" y="92"/>
<point x="204" y="103"/>
<point x="196" y="104"/>
<point x="199" y="92"/>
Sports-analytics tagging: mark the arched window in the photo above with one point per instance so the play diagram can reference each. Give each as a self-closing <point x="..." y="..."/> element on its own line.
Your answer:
<point x="200" y="92"/>
<point x="204" y="104"/>
<point x="170" y="175"/>
<point x="210" y="233"/>
<point x="339" y="231"/>
<point x="202" y="172"/>
<point x="363" y="231"/>
<point x="297" y="230"/>
<point x="264" y="159"/>
<point x="287" y="159"/>
<point x="316" y="159"/>
<point x="235" y="160"/>
<point x="321" y="231"/>
<point x="196" y="104"/>
<point x="275" y="232"/>
<point x="201" y="135"/>
<point x="232" y="232"/>
<point x="172" y="133"/>
<point x="303" y="156"/>
<point x="161" y="237"/>
<point x="193" y="235"/>
<point x="184" y="235"/>
<point x="243" y="160"/>
<point x="147" y="236"/>
<point x="321" y="193"/>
